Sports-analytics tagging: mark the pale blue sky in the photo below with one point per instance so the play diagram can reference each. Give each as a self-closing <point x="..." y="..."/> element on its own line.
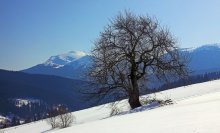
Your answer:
<point x="33" y="30"/>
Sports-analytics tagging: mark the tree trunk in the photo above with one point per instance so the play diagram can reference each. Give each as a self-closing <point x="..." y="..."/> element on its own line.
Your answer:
<point x="134" y="100"/>
<point x="134" y="91"/>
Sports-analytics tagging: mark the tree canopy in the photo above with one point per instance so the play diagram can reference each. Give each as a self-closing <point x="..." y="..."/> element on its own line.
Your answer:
<point x="129" y="50"/>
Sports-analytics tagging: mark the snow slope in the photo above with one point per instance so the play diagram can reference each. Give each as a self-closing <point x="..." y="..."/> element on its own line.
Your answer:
<point x="195" y="115"/>
<point x="196" y="110"/>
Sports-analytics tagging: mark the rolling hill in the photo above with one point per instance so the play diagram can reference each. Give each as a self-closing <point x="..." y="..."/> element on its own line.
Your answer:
<point x="50" y="90"/>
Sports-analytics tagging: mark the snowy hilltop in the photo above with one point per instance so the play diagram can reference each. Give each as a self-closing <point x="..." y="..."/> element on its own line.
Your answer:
<point x="64" y="59"/>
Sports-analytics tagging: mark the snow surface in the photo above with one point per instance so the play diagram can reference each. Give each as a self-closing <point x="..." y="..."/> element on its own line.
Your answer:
<point x="196" y="110"/>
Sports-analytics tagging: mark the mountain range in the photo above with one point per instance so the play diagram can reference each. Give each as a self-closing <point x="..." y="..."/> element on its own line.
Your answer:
<point x="203" y="59"/>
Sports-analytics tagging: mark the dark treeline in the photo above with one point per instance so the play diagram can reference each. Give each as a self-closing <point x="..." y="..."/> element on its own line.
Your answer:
<point x="191" y="80"/>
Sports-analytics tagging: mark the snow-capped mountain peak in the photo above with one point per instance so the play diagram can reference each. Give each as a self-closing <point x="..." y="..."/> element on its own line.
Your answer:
<point x="63" y="59"/>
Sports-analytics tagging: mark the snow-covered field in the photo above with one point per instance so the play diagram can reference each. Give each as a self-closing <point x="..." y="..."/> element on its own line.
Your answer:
<point x="196" y="110"/>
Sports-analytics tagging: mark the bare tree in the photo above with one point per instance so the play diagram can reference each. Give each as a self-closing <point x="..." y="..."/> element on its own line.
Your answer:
<point x="65" y="117"/>
<point x="128" y="51"/>
<point x="53" y="119"/>
<point x="60" y="117"/>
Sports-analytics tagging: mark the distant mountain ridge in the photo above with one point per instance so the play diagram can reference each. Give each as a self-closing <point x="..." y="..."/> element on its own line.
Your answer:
<point x="74" y="64"/>
<point x="204" y="59"/>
